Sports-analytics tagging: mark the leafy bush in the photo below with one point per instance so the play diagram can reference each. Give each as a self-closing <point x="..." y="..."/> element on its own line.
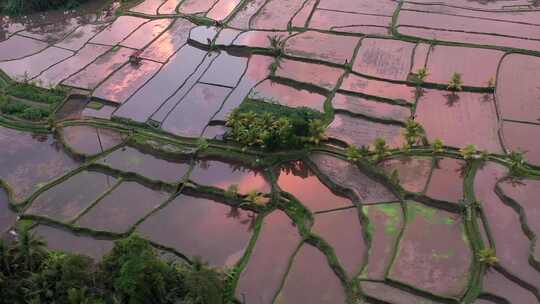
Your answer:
<point x="24" y="111"/>
<point x="12" y="108"/>
<point x="35" y="114"/>
<point x="271" y="126"/>
<point x="33" y="93"/>
<point x="456" y="83"/>
<point x="17" y="7"/>
<point x="487" y="256"/>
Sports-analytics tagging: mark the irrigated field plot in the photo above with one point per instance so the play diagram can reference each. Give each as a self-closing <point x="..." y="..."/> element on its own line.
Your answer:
<point x="318" y="151"/>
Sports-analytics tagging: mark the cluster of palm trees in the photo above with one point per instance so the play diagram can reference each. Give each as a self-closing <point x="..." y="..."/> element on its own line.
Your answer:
<point x="131" y="273"/>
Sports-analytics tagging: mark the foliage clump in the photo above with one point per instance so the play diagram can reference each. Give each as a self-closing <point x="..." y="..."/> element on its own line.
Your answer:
<point x="272" y="127"/>
<point x="487" y="256"/>
<point x="414" y="133"/>
<point x="456" y="83"/>
<point x="517" y="163"/>
<point x="420" y="76"/>
<point x="17" y="7"/>
<point x="29" y="102"/>
<point x="31" y="92"/>
<point x="131" y="273"/>
<point x="437" y="146"/>
<point x="380" y="149"/>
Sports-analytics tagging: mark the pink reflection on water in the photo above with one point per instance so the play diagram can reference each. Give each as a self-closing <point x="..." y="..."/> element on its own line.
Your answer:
<point x="222" y="9"/>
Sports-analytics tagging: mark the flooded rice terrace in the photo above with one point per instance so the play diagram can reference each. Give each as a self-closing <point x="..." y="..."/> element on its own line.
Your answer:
<point x="424" y="189"/>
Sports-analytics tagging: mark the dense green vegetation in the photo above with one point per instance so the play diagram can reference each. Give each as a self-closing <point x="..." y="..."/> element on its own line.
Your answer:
<point x="271" y="126"/>
<point x="26" y="101"/>
<point x="130" y="273"/>
<point x="17" y="7"/>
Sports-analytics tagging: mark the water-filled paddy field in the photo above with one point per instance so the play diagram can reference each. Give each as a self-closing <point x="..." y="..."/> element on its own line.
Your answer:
<point x="421" y="184"/>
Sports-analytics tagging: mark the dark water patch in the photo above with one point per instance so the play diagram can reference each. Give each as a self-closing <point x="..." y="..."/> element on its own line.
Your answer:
<point x="226" y="70"/>
<point x="310" y="271"/>
<point x="122" y="208"/>
<point x="223" y="175"/>
<point x="195" y="111"/>
<point x="90" y="140"/>
<point x="63" y="202"/>
<point x="215" y="232"/>
<point x="165" y="83"/>
<point x="267" y="266"/>
<point x="63" y="240"/>
<point x="296" y="178"/>
<point x="257" y="70"/>
<point x="169" y="105"/>
<point x="129" y="159"/>
<point x="28" y="160"/>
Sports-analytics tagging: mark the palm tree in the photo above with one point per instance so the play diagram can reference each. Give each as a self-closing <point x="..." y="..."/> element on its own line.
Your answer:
<point x="29" y="249"/>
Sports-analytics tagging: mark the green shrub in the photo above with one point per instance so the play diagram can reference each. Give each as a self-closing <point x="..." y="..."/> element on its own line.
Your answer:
<point x="17" y="7"/>
<point x="33" y="93"/>
<point x="13" y="107"/>
<point x="34" y="114"/>
<point x="456" y="83"/>
<point x="135" y="273"/>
